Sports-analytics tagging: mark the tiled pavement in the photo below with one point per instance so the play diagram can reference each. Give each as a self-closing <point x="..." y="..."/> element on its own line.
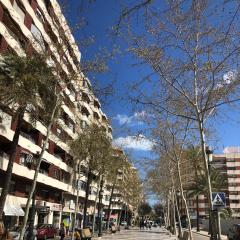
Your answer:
<point x="135" y="234"/>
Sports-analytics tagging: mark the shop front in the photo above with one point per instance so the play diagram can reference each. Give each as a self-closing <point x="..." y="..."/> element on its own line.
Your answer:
<point x="13" y="211"/>
<point x="55" y="214"/>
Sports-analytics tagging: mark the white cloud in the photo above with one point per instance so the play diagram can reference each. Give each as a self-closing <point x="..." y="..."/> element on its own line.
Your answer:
<point x="133" y="120"/>
<point x="132" y="142"/>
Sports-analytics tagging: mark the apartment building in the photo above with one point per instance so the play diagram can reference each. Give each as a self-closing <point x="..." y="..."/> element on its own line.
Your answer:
<point x="228" y="164"/>
<point x="121" y="209"/>
<point x="26" y="26"/>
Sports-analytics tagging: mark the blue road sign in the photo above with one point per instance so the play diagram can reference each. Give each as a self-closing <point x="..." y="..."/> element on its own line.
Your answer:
<point x="218" y="200"/>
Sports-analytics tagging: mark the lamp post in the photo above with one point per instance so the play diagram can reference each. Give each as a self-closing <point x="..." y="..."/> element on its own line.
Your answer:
<point x="212" y="227"/>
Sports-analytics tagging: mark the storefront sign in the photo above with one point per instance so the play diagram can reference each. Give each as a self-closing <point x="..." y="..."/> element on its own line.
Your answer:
<point x="56" y="207"/>
<point x="43" y="210"/>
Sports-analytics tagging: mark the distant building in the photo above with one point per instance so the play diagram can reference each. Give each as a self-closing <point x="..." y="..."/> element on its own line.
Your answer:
<point x="228" y="164"/>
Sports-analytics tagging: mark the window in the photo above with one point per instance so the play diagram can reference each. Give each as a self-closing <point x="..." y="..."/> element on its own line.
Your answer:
<point x="73" y="93"/>
<point x="234" y="201"/>
<point x="232" y="176"/>
<point x="233" y="193"/>
<point x="232" y="184"/>
<point x="45" y="194"/>
<point x="47" y="146"/>
<point x="40" y="15"/>
<point x="59" y="132"/>
<point x="83" y="185"/>
<point x="27" y="189"/>
<point x="231" y="168"/>
<point x="72" y="126"/>
<point x="26" y="159"/>
<point x="83" y="124"/>
<point x="56" y="174"/>
<point x="38" y="36"/>
<point x="19" y="10"/>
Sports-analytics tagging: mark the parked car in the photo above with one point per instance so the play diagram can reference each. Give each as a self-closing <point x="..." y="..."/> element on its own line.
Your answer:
<point x="15" y="232"/>
<point x="45" y="231"/>
<point x="234" y="232"/>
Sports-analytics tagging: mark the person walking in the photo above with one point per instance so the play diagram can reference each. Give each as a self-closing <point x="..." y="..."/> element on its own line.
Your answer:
<point x="4" y="233"/>
<point x="62" y="231"/>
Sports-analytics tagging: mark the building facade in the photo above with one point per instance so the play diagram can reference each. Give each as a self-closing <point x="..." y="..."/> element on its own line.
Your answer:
<point x="28" y="26"/>
<point x="228" y="165"/>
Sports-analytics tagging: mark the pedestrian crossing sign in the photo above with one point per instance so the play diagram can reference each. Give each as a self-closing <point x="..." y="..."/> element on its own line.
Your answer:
<point x="218" y="200"/>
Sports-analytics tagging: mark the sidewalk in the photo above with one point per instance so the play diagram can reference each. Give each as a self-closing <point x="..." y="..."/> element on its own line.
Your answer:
<point x="205" y="233"/>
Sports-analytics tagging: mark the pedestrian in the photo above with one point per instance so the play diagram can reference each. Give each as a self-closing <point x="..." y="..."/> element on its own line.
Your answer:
<point x="62" y="231"/>
<point x="4" y="233"/>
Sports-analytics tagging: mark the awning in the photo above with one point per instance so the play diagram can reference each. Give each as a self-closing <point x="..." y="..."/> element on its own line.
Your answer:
<point x="12" y="207"/>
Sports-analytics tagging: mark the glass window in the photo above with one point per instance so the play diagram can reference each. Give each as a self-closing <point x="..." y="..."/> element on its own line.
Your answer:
<point x="26" y="159"/>
<point x="39" y="15"/>
<point x="38" y="36"/>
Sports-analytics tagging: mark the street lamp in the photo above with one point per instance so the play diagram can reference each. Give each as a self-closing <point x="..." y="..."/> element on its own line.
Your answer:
<point x="212" y="231"/>
<point x="209" y="153"/>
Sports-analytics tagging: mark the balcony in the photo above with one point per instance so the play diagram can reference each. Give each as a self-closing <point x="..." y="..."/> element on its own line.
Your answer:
<point x="44" y="167"/>
<point x="85" y="111"/>
<point x="97" y="104"/>
<point x="28" y="136"/>
<point x="96" y="116"/>
<point x="85" y="98"/>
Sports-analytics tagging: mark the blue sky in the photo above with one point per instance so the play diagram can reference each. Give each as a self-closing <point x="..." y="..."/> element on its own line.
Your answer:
<point x="100" y="16"/>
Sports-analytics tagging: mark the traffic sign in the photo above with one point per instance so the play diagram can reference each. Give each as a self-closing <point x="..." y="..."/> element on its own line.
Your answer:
<point x="218" y="200"/>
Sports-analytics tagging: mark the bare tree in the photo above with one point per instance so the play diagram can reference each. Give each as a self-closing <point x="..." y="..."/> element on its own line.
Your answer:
<point x="193" y="52"/>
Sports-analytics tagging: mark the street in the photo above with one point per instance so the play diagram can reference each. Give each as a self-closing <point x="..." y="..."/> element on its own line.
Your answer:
<point x="154" y="234"/>
<point x="136" y="234"/>
<point x="133" y="234"/>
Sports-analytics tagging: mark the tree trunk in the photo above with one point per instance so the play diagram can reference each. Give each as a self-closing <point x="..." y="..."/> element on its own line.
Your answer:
<point x="13" y="149"/>
<point x="89" y="179"/>
<point x="32" y="218"/>
<point x="197" y="206"/>
<point x="206" y="162"/>
<point x="76" y="207"/>
<point x="109" y="205"/>
<point x="100" y="196"/>
<point x="174" y="230"/>
<point x="39" y="160"/>
<point x="179" y="218"/>
<point x="184" y="200"/>
<point x="119" y="218"/>
<point x="203" y="146"/>
<point x="95" y="204"/>
<point x="168" y="214"/>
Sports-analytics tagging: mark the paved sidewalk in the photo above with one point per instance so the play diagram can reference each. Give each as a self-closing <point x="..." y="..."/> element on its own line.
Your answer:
<point x="205" y="233"/>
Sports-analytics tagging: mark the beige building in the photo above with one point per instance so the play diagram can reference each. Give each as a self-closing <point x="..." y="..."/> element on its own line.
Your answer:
<point x="26" y="26"/>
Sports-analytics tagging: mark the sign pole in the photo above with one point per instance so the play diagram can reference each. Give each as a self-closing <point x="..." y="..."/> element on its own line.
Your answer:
<point x="219" y="225"/>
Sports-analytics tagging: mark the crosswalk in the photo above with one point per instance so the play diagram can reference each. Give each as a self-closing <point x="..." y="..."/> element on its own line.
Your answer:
<point x="135" y="234"/>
